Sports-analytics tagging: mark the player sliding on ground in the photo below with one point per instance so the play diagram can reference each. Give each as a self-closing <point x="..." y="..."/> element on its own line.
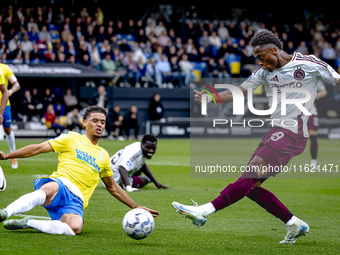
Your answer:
<point x="66" y="193"/>
<point x="280" y="144"/>
<point x="128" y="164"/>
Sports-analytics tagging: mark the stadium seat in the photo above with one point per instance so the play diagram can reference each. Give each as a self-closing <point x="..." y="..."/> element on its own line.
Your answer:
<point x="119" y="37"/>
<point x="234" y="63"/>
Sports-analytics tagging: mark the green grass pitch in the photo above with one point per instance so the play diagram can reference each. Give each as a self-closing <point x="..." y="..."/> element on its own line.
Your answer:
<point x="243" y="228"/>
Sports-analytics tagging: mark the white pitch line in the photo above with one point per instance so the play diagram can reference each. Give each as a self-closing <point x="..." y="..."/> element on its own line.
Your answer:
<point x="34" y="216"/>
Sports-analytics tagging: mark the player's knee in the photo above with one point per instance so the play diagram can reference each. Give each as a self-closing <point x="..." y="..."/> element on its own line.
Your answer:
<point x="76" y="230"/>
<point x="258" y="166"/>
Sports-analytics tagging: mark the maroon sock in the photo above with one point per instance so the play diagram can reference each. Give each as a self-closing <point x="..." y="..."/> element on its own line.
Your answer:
<point x="235" y="191"/>
<point x="271" y="203"/>
<point x="313" y="146"/>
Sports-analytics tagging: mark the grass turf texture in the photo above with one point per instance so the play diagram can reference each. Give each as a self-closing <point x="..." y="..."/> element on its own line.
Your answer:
<point x="243" y="228"/>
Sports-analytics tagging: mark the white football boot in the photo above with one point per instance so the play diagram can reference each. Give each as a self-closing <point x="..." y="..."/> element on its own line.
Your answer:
<point x="197" y="214"/>
<point x="294" y="231"/>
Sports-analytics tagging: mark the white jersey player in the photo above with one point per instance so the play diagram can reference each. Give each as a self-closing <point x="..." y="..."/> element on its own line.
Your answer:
<point x="278" y="70"/>
<point x="128" y="164"/>
<point x="301" y="72"/>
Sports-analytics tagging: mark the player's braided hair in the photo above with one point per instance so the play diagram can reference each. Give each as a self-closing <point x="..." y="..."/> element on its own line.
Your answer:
<point x="264" y="38"/>
<point x="92" y="109"/>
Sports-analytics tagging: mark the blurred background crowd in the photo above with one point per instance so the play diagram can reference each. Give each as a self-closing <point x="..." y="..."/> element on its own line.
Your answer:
<point x="154" y="48"/>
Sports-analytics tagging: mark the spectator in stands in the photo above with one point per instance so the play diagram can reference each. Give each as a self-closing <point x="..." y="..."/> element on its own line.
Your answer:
<point x="141" y="37"/>
<point x="114" y="123"/>
<point x="70" y="101"/>
<point x="131" y="28"/>
<point x="222" y="69"/>
<point x="33" y="35"/>
<point x="43" y="34"/>
<point x="215" y="40"/>
<point x="100" y="37"/>
<point x="150" y="72"/>
<point x="204" y="40"/>
<point x="212" y="68"/>
<point x="74" y="120"/>
<point x="108" y="65"/>
<point x="201" y="55"/>
<point x="132" y="71"/>
<point x="163" y="39"/>
<point x="156" y="109"/>
<point x="26" y="44"/>
<point x="36" y="54"/>
<point x="222" y="32"/>
<point x="176" y="77"/>
<point x="13" y="43"/>
<point x="28" y="106"/>
<point x="47" y="99"/>
<point x="3" y="59"/>
<point x="130" y="121"/>
<point x="158" y="53"/>
<point x="162" y="71"/>
<point x="52" y="121"/>
<point x="99" y="16"/>
<point x="186" y="68"/>
<point x="150" y="27"/>
<point x="302" y="48"/>
<point x="27" y="59"/>
<point x="189" y="47"/>
<point x="328" y="54"/>
<point x="124" y="45"/>
<point x="122" y="70"/>
<point x="178" y="43"/>
<point x="100" y="97"/>
<point x="31" y="24"/>
<point x="18" y="59"/>
<point x="172" y="35"/>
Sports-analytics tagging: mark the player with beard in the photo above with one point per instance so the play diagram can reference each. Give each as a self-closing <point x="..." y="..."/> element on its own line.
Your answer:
<point x="128" y="164"/>
<point x="277" y="70"/>
<point x="65" y="194"/>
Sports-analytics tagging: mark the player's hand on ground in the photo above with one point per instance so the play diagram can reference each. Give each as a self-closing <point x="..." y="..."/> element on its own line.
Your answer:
<point x="130" y="189"/>
<point x="160" y="186"/>
<point x="153" y="212"/>
<point x="198" y="96"/>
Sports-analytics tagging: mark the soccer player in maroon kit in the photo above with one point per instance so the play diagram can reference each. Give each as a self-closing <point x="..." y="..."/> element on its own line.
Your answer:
<point x="277" y="70"/>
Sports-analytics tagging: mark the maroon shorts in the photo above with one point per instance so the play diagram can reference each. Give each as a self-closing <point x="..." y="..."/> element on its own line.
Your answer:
<point x="313" y="122"/>
<point x="278" y="146"/>
<point x="136" y="181"/>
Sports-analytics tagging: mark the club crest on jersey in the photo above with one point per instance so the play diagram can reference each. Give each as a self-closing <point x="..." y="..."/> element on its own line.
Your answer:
<point x="299" y="74"/>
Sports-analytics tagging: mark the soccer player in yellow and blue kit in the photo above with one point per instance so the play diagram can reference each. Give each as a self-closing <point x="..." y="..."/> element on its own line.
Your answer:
<point x="66" y="193"/>
<point x="9" y="77"/>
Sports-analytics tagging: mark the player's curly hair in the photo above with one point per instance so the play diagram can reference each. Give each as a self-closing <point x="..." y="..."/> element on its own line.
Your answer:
<point x="264" y="38"/>
<point x="92" y="109"/>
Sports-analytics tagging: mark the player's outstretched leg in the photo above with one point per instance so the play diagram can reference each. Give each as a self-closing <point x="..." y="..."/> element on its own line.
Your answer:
<point x="295" y="229"/>
<point x="231" y="194"/>
<point x="17" y="224"/>
<point x="55" y="227"/>
<point x="23" y="204"/>
<point x="197" y="214"/>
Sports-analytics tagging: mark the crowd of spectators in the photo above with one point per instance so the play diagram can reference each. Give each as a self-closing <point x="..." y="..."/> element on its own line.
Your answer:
<point x="150" y="52"/>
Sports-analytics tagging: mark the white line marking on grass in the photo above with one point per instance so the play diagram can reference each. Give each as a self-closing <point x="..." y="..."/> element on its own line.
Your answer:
<point x="34" y="216"/>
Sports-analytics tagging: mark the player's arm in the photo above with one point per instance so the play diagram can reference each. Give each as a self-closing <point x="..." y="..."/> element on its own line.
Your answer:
<point x="125" y="179"/>
<point x="321" y="94"/>
<point x="225" y="96"/>
<point x="28" y="151"/>
<point x="4" y="99"/>
<point x="146" y="170"/>
<point x="115" y="190"/>
<point x="15" y="85"/>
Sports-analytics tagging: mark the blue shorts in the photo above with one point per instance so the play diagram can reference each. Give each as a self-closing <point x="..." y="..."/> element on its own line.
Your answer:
<point x="7" y="117"/>
<point x="64" y="202"/>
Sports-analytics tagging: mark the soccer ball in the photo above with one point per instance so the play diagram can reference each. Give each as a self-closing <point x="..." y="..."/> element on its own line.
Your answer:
<point x="138" y="223"/>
